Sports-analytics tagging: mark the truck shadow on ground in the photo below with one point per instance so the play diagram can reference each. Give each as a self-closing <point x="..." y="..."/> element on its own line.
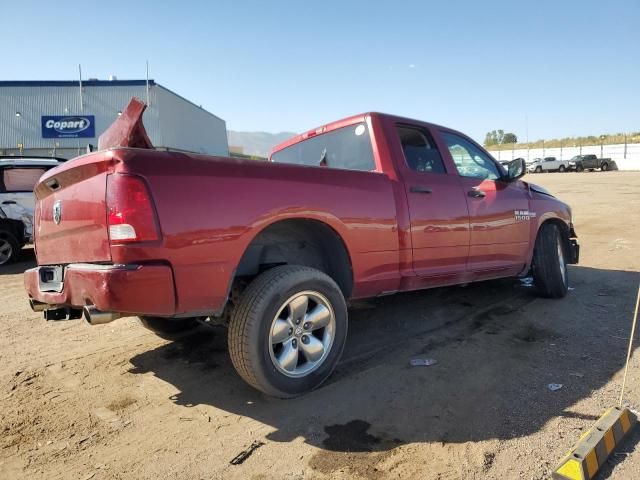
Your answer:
<point x="497" y="344"/>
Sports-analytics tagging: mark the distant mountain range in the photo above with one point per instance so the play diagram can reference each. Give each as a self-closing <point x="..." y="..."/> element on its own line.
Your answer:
<point x="256" y="143"/>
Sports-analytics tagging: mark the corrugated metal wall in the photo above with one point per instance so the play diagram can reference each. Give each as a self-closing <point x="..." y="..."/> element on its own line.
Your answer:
<point x="186" y="126"/>
<point x="170" y="120"/>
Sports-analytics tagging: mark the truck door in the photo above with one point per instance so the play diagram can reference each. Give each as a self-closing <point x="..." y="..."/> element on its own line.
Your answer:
<point x="550" y="164"/>
<point x="498" y="211"/>
<point x="437" y="207"/>
<point x="590" y="161"/>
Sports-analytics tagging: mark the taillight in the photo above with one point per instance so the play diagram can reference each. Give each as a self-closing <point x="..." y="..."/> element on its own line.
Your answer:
<point x="36" y="226"/>
<point x="130" y="213"/>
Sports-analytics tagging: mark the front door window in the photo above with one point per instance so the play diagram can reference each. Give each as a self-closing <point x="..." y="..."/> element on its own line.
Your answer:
<point x="469" y="159"/>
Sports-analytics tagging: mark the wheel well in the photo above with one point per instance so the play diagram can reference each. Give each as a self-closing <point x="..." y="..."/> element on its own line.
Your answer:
<point x="299" y="242"/>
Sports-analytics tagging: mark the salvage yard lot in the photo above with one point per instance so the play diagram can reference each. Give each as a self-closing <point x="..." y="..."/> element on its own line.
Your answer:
<point x="117" y="402"/>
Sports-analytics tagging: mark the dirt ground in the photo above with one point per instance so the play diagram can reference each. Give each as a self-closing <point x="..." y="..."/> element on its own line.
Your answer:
<point x="117" y="402"/>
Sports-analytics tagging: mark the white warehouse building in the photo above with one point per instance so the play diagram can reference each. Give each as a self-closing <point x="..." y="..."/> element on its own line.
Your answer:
<point x="61" y="118"/>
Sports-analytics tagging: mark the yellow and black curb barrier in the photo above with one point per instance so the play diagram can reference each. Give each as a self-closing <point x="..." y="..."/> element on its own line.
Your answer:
<point x="595" y="446"/>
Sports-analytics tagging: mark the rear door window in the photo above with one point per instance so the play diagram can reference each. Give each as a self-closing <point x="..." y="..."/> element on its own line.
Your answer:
<point x="21" y="179"/>
<point x="419" y="150"/>
<point x="348" y="148"/>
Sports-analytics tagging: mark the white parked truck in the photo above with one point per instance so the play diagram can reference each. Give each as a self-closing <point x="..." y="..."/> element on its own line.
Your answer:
<point x="548" y="164"/>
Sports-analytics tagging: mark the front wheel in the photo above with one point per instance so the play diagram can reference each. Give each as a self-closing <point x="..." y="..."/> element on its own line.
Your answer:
<point x="538" y="170"/>
<point x="579" y="168"/>
<point x="605" y="167"/>
<point x="550" y="274"/>
<point x="288" y="330"/>
<point x="561" y="169"/>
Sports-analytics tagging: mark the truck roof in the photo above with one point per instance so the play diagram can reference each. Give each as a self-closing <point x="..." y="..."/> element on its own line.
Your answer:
<point x="30" y="161"/>
<point x="344" y="123"/>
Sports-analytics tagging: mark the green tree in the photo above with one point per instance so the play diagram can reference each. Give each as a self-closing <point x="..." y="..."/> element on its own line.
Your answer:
<point x="491" y="138"/>
<point x="509" y="138"/>
<point x="498" y="137"/>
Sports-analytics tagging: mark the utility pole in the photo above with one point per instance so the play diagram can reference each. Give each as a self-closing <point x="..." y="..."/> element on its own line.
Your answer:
<point x="81" y="100"/>
<point x="148" y="104"/>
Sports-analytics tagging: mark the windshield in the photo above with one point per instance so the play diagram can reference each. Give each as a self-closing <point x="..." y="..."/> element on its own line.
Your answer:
<point x="21" y="179"/>
<point x="347" y="148"/>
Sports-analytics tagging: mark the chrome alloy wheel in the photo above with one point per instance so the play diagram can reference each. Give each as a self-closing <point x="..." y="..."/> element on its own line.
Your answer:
<point x="563" y="265"/>
<point x="6" y="250"/>
<point x="302" y="334"/>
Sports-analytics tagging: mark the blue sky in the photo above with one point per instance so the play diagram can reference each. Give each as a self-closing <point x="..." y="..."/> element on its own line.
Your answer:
<point x="569" y="67"/>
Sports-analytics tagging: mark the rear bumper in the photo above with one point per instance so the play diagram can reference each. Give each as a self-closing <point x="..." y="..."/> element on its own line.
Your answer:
<point x="134" y="289"/>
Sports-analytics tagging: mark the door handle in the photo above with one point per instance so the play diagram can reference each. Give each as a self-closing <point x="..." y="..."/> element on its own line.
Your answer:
<point x="419" y="189"/>
<point x="476" y="193"/>
<point x="9" y="202"/>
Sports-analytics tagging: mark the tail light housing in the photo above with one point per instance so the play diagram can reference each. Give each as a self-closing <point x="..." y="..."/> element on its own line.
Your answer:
<point x="131" y="216"/>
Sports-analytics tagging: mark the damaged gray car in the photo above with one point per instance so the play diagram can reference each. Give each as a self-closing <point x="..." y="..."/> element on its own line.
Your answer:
<point x="18" y="176"/>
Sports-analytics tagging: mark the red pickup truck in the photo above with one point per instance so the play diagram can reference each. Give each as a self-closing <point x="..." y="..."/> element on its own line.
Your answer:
<point x="367" y="206"/>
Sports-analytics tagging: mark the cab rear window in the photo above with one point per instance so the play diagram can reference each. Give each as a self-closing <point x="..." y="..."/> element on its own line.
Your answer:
<point x="347" y="148"/>
<point x="21" y="179"/>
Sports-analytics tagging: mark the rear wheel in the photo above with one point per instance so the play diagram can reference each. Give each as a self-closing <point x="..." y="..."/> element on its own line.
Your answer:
<point x="550" y="274"/>
<point x="9" y="248"/>
<point x="288" y="330"/>
<point x="169" y="328"/>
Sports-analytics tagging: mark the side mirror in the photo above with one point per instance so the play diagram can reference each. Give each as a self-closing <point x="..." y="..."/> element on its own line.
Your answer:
<point x="516" y="169"/>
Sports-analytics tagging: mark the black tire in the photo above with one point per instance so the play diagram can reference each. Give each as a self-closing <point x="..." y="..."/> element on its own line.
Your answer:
<point x="579" y="168"/>
<point x="169" y="328"/>
<point x="538" y="169"/>
<point x="561" y="169"/>
<point x="9" y="246"/>
<point x="548" y="264"/>
<point x="604" y="167"/>
<point x="251" y="326"/>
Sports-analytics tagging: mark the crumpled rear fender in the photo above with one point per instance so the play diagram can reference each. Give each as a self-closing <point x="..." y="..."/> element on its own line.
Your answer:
<point x="128" y="129"/>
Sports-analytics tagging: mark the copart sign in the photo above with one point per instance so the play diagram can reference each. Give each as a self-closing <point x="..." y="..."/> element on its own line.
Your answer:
<point x="56" y="126"/>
